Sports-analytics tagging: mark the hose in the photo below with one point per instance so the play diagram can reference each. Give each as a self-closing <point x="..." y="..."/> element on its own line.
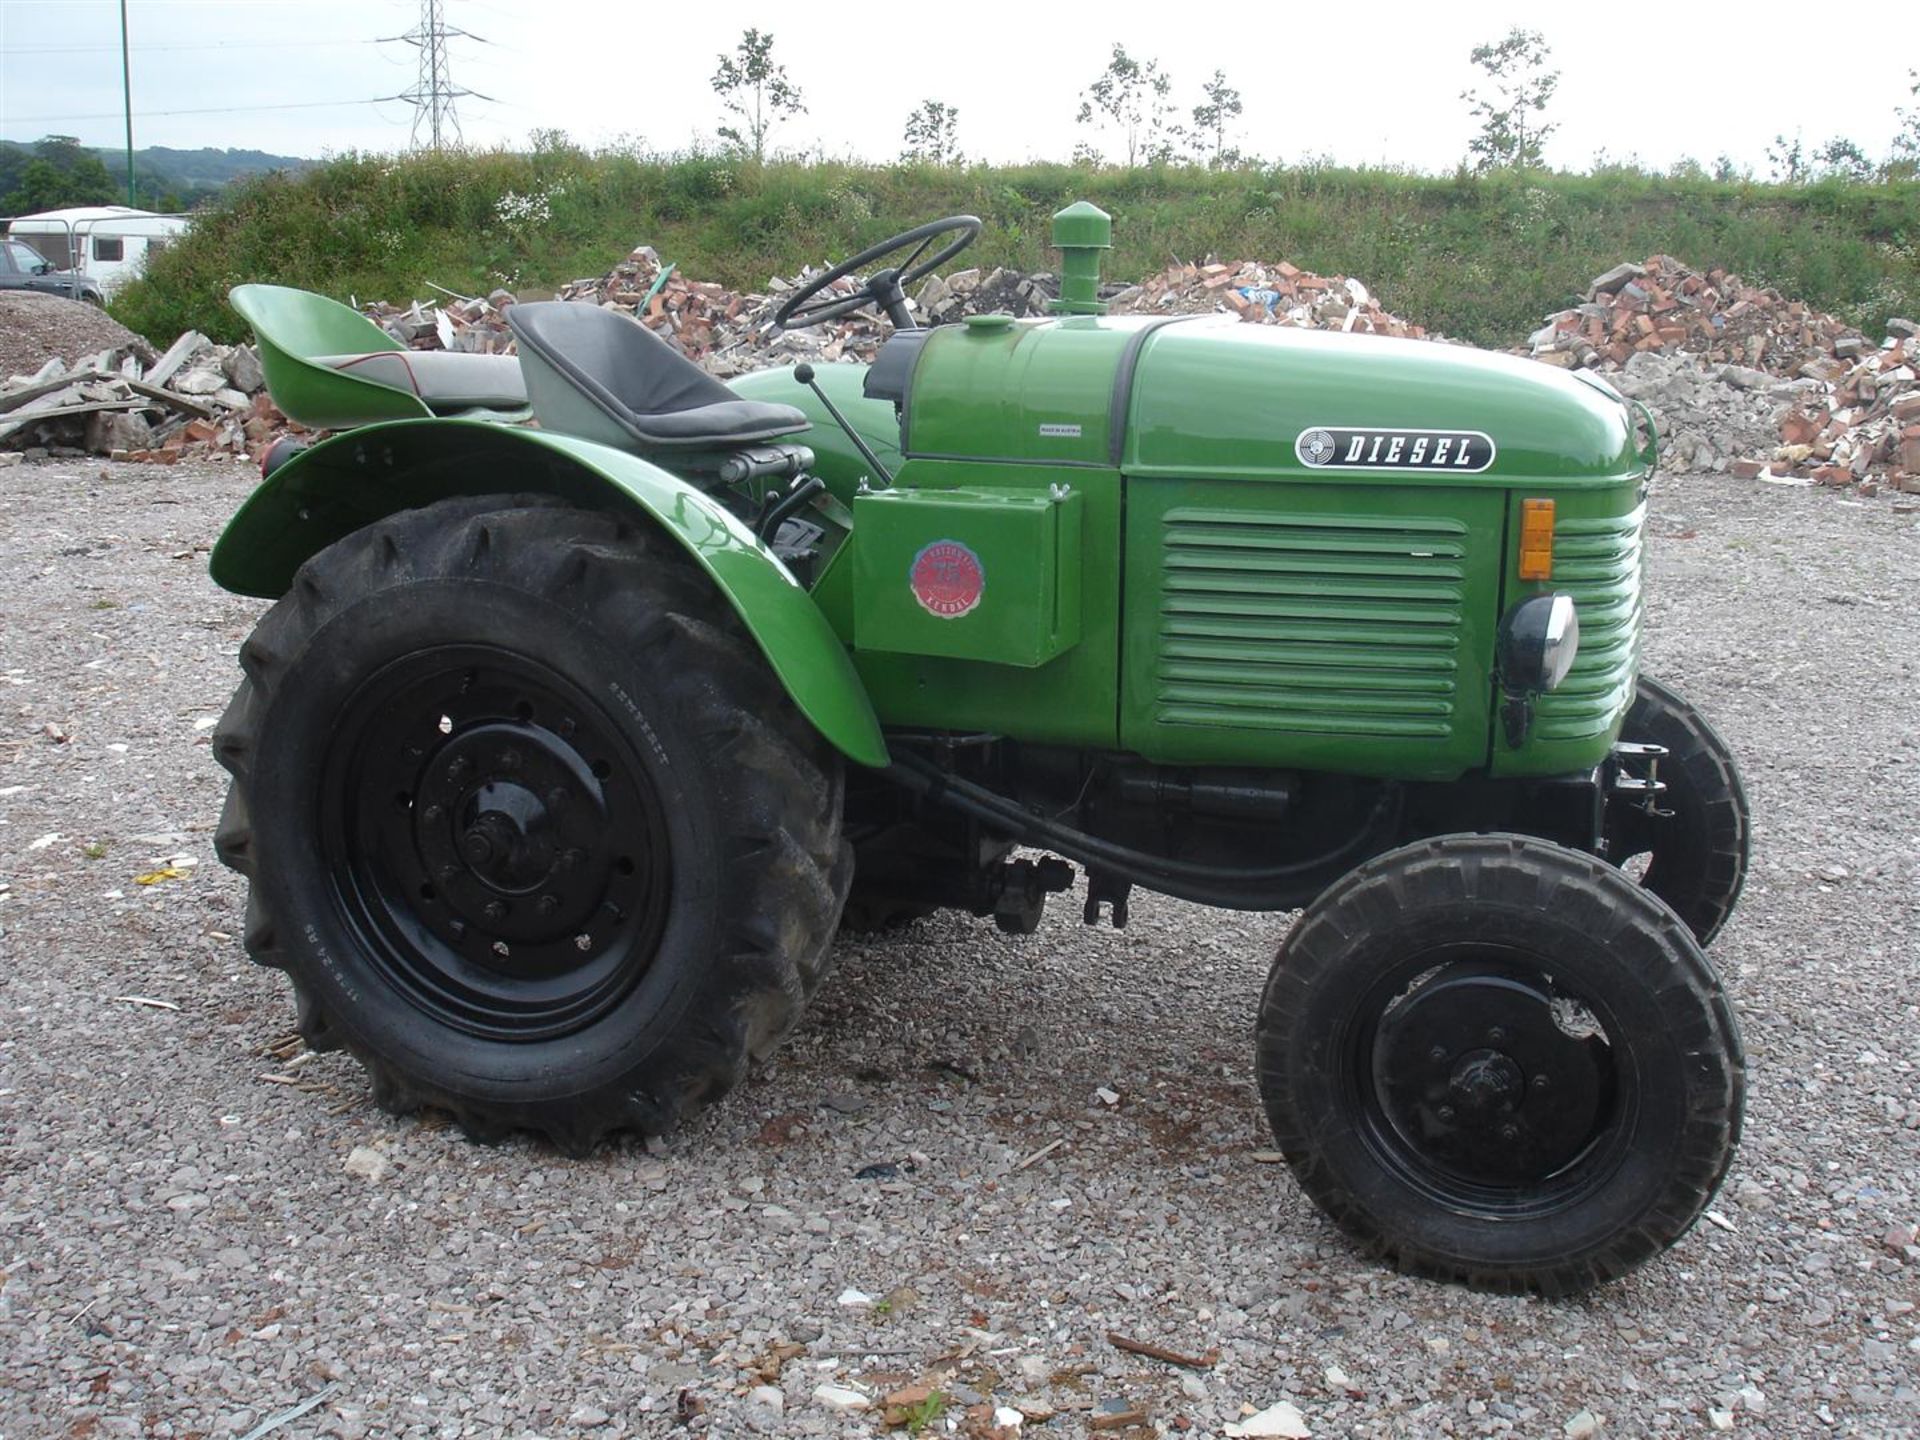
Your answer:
<point x="1272" y="887"/>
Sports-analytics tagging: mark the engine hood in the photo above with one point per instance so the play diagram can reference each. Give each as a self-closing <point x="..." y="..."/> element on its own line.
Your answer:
<point x="1225" y="399"/>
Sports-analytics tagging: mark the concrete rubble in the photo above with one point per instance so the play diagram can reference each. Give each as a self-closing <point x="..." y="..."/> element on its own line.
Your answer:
<point x="470" y="326"/>
<point x="198" y="398"/>
<point x="1266" y="294"/>
<point x="1741" y="381"/>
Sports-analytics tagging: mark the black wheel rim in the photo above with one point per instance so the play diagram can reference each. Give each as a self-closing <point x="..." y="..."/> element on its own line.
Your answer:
<point x="495" y="843"/>
<point x="1486" y="1085"/>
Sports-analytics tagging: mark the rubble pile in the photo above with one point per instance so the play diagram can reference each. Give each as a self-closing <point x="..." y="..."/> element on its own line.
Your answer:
<point x="1266" y="294"/>
<point x="125" y="402"/>
<point x="466" y="326"/>
<point x="1664" y="305"/>
<point x="946" y="298"/>
<point x="35" y="327"/>
<point x="1711" y="355"/>
<point x="1706" y="425"/>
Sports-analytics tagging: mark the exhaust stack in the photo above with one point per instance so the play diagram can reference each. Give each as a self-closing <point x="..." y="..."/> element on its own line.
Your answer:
<point x="1080" y="233"/>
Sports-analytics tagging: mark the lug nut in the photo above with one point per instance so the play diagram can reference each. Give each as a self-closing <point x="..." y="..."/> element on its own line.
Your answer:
<point x="509" y="760"/>
<point x="496" y="910"/>
<point x="1495" y="1035"/>
<point x="1445" y="1112"/>
<point x="449" y="872"/>
<point x="457" y="767"/>
<point x="457" y="929"/>
<point x="432" y="813"/>
<point x="549" y="904"/>
<point x="1509" y="1132"/>
<point x="614" y="912"/>
<point x="1539" y="1082"/>
<point x="1437" y="1054"/>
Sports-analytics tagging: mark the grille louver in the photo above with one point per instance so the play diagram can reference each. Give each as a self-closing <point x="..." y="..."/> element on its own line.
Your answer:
<point x="1598" y="563"/>
<point x="1326" y="624"/>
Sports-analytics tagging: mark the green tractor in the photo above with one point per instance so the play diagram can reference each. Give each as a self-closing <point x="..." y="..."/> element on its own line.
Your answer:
<point x="566" y="749"/>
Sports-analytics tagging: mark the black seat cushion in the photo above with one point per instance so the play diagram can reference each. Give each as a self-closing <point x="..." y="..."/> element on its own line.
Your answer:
<point x="642" y="383"/>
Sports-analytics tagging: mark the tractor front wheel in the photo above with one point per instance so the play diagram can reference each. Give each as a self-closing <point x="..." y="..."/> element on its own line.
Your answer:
<point x="1696" y="852"/>
<point x="528" y="821"/>
<point x="1501" y="1062"/>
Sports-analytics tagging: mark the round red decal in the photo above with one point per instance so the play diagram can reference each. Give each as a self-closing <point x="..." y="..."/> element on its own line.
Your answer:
<point x="947" y="579"/>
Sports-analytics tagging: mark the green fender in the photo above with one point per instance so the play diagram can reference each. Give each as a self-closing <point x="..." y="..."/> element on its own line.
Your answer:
<point x="350" y="481"/>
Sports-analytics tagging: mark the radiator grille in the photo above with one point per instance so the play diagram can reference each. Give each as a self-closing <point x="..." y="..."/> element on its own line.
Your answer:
<point x="1335" y="624"/>
<point x="1598" y="563"/>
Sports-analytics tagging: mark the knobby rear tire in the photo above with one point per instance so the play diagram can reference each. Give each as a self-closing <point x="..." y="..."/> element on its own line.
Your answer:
<point x="749" y="794"/>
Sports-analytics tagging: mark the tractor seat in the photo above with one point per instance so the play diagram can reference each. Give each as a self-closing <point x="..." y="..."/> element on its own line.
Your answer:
<point x="447" y="381"/>
<point x="603" y="376"/>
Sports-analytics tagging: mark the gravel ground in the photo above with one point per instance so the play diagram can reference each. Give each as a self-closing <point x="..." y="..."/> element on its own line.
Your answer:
<point x="185" y="1251"/>
<point x="36" y="328"/>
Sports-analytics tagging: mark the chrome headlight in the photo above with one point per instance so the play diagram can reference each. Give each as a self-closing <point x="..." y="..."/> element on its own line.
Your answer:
<point x="1538" y="640"/>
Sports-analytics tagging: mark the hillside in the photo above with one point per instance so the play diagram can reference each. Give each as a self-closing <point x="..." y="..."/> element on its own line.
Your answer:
<point x="206" y="169"/>
<point x="1481" y="258"/>
<point x="57" y="170"/>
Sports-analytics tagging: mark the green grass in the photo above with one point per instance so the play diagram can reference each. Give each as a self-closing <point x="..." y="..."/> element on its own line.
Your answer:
<point x="1482" y="258"/>
<point x="923" y="1415"/>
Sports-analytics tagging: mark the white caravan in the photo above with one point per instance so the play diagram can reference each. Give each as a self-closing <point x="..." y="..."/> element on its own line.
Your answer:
<point x="109" y="243"/>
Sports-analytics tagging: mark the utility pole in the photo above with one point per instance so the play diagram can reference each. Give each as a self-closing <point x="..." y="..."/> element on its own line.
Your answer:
<point x="434" y="92"/>
<point x="126" y="96"/>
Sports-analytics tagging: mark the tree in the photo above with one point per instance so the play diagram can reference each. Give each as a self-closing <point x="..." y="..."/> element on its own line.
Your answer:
<point x="756" y="91"/>
<point x="1519" y="87"/>
<point x="60" y="172"/>
<point x="931" y="134"/>
<point x="1906" y="144"/>
<point x="1211" y="119"/>
<point x="1844" y="160"/>
<point x="1787" y="161"/>
<point x="1132" y="95"/>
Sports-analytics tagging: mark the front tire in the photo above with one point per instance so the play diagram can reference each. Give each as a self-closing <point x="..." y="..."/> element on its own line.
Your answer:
<point x="1501" y="1062"/>
<point x="528" y="821"/>
<point x="1697" y="853"/>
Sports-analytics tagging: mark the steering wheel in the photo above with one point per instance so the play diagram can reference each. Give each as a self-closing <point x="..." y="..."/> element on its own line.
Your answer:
<point x="886" y="287"/>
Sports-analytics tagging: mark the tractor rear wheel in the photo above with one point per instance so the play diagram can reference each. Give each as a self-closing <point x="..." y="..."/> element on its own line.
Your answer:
<point x="1497" y="1061"/>
<point x="528" y="821"/>
<point x="1696" y="855"/>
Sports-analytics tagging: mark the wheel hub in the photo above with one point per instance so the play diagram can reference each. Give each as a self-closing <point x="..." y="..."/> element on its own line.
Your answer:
<point x="511" y="819"/>
<point x="1490" y="1078"/>
<point x="1485" y="1080"/>
<point x="503" y="848"/>
<point x="507" y="843"/>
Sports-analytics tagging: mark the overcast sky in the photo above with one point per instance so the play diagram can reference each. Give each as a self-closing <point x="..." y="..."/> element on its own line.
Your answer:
<point x="1358" y="82"/>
